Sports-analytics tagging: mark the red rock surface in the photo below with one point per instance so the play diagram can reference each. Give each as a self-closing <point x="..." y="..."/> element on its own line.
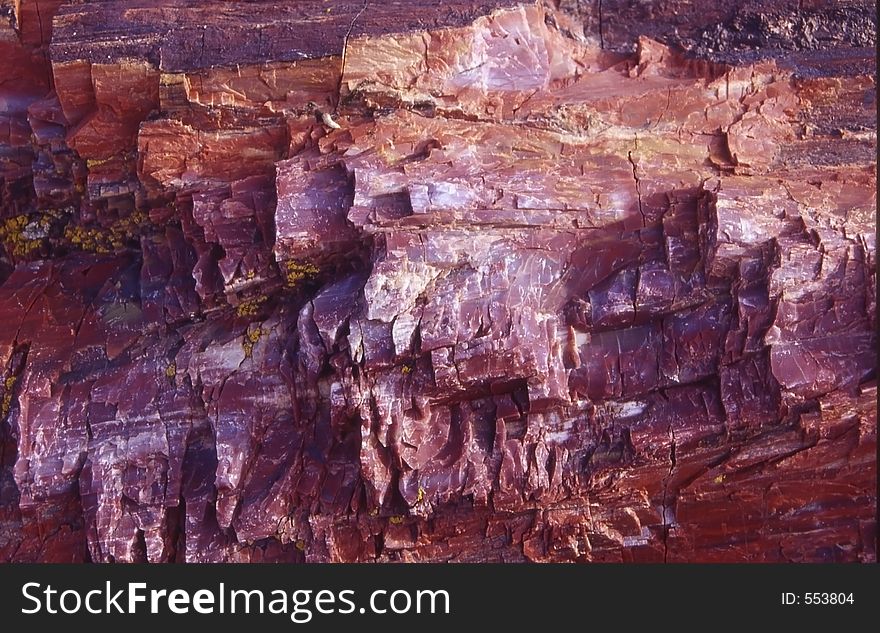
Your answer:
<point x="553" y="290"/>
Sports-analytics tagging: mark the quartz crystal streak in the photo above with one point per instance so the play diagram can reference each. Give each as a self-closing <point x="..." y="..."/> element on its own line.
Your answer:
<point x="552" y="291"/>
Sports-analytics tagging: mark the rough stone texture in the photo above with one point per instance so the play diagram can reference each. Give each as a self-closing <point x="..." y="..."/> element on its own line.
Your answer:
<point x="570" y="282"/>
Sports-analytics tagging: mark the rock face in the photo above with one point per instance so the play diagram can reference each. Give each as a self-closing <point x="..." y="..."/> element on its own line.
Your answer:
<point x="520" y="282"/>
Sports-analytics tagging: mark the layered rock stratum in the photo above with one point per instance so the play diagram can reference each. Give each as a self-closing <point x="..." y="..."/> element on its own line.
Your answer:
<point x="437" y="281"/>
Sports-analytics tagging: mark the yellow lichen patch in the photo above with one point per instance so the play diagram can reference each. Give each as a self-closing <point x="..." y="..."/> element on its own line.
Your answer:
<point x="405" y="369"/>
<point x="396" y="519"/>
<point x="296" y="272"/>
<point x="25" y="247"/>
<point x="15" y="222"/>
<point x="6" y="403"/>
<point x="14" y="231"/>
<point x="100" y="240"/>
<point x="171" y="371"/>
<point x="719" y="479"/>
<point x="421" y="496"/>
<point x="13" y="225"/>
<point x="250" y="340"/>
<point x="88" y="239"/>
<point x="301" y="545"/>
<point x="249" y="307"/>
<point x="126" y="227"/>
<point x="95" y="162"/>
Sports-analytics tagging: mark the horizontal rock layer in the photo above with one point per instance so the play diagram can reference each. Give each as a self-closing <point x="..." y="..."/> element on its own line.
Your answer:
<point x="430" y="281"/>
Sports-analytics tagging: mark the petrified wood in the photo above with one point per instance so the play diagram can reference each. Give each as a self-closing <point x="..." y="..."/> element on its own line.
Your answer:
<point x="436" y="281"/>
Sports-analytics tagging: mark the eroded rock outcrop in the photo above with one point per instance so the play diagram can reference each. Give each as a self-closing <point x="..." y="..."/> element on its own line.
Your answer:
<point x="535" y="298"/>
